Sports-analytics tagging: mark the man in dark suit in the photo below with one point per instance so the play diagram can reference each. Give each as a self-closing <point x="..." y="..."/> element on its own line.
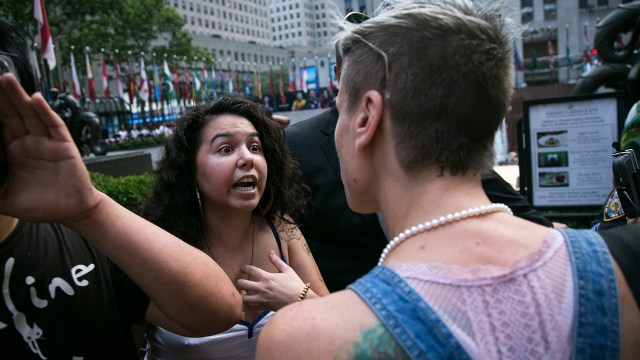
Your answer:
<point x="345" y="244"/>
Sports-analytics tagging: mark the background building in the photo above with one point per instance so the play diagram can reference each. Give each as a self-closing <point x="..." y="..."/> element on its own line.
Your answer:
<point x="554" y="32"/>
<point x="239" y="20"/>
<point x="269" y="33"/>
<point x="555" y="46"/>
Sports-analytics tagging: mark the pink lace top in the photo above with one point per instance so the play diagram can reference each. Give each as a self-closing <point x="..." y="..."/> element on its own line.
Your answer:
<point x="524" y="311"/>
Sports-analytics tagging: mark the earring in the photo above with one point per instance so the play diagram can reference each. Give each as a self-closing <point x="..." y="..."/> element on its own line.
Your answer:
<point x="199" y="201"/>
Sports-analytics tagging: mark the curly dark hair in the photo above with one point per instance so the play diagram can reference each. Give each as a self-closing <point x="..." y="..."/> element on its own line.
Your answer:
<point x="173" y="204"/>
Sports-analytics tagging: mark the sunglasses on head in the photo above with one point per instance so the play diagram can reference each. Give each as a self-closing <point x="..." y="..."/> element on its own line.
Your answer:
<point x="355" y="17"/>
<point x="358" y="18"/>
<point x="7" y="64"/>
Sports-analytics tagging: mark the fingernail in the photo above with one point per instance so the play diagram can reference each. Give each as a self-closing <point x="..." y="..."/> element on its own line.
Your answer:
<point x="272" y="253"/>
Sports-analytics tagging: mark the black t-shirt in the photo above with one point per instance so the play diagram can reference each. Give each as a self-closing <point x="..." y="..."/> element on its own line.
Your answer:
<point x="624" y="244"/>
<point x="62" y="298"/>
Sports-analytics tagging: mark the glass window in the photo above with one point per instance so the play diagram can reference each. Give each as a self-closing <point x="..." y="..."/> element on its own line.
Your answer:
<point x="550" y="10"/>
<point x="583" y="4"/>
<point x="526" y="9"/>
<point x="603" y="2"/>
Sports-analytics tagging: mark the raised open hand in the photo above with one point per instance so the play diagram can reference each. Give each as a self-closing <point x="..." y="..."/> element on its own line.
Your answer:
<point x="45" y="178"/>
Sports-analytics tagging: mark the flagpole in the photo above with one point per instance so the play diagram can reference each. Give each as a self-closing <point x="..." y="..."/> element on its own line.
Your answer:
<point x="58" y="72"/>
<point x="47" y="77"/>
<point x="271" y="88"/>
<point x="104" y="76"/>
<point x="194" y="90"/>
<point x="142" y="83"/>
<point x="317" y="76"/>
<point x="329" y="73"/>
<point x="152" y="99"/>
<point x="166" y="95"/>
<point x="129" y="89"/>
<point x="185" y="86"/>
<point x="156" y="80"/>
<point x="63" y="86"/>
<point x="281" y="82"/>
<point x="39" y="84"/>
<point x="176" y="84"/>
<point x="257" y="70"/>
<point x="86" y="65"/>
<point x="221" y="80"/>
<point x="303" y="70"/>
<point x="121" y="116"/>
<point x="75" y="87"/>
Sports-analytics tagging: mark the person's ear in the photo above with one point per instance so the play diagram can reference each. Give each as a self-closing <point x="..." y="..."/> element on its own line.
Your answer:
<point x="336" y="70"/>
<point x="368" y="122"/>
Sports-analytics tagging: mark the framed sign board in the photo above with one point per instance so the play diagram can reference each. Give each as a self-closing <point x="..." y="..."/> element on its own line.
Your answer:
<point x="567" y="150"/>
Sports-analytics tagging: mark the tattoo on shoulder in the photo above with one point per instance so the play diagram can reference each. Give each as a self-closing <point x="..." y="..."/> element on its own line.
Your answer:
<point x="292" y="232"/>
<point x="377" y="343"/>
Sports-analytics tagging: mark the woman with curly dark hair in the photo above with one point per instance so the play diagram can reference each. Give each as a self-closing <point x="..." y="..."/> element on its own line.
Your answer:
<point x="228" y="185"/>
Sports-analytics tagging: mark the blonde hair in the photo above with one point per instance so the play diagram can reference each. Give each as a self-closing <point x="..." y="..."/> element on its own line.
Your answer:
<point x="449" y="79"/>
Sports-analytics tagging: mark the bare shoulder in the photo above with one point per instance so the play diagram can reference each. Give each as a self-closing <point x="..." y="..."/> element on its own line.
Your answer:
<point x="338" y="326"/>
<point x="630" y="319"/>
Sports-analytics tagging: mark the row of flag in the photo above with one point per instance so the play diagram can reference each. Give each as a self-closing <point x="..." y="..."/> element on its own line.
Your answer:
<point x="244" y="80"/>
<point x="197" y="82"/>
<point x="589" y="54"/>
<point x="519" y="63"/>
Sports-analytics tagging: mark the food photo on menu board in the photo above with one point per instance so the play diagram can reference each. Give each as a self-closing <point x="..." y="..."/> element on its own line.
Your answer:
<point x="553" y="178"/>
<point x="552" y="138"/>
<point x="553" y="159"/>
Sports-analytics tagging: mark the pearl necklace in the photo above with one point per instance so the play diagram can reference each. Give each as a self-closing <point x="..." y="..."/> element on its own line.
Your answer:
<point x="439" y="221"/>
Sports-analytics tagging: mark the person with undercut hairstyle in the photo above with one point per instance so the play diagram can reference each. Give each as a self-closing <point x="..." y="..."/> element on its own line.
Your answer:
<point x="464" y="279"/>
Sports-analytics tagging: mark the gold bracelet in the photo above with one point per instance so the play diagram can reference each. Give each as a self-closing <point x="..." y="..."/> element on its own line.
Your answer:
<point x="304" y="291"/>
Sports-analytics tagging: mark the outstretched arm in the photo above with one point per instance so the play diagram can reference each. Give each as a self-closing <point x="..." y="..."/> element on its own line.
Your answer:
<point x="46" y="181"/>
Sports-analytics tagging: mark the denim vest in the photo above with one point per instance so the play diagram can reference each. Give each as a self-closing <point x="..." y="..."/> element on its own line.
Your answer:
<point x="423" y="335"/>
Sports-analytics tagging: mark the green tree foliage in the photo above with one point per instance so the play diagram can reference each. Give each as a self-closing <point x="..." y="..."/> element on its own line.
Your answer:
<point x="126" y="25"/>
